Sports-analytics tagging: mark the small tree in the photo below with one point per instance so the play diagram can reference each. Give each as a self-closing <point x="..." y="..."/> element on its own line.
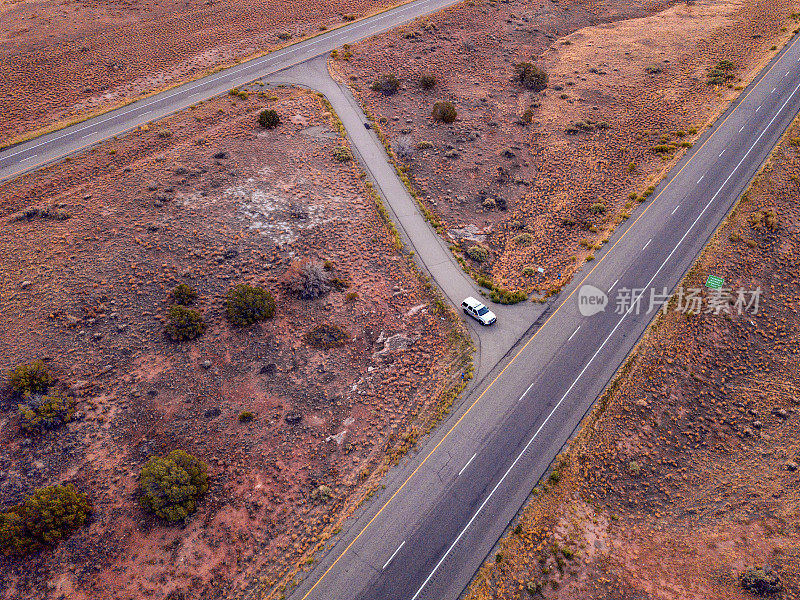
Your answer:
<point x="427" y="81"/>
<point x="246" y="304"/>
<point x="183" y="323"/>
<point x="31" y="378"/>
<point x="531" y="76"/>
<point x="40" y="412"/>
<point x="445" y="112"/>
<point x="269" y="119"/>
<point x="386" y="84"/>
<point x="761" y="580"/>
<point x="184" y="294"/>
<point x="44" y="518"/>
<point x="171" y="485"/>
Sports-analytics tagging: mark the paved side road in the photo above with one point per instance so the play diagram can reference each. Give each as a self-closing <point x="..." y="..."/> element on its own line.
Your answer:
<point x="431" y="251"/>
<point x="52" y="147"/>
<point x="444" y="508"/>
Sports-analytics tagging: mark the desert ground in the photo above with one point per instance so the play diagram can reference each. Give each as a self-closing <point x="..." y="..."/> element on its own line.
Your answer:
<point x="92" y="249"/>
<point x="686" y="474"/>
<point x="63" y="59"/>
<point x="541" y="178"/>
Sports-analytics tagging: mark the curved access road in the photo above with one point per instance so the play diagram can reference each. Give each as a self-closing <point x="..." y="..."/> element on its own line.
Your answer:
<point x="52" y="147"/>
<point x="431" y="251"/>
<point x="444" y="507"/>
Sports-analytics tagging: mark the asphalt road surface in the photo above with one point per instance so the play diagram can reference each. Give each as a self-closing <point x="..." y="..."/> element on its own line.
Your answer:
<point x="431" y="251"/>
<point x="52" y="147"/>
<point x="445" y="507"/>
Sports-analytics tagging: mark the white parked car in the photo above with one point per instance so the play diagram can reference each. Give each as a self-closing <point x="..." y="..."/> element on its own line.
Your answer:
<point x="478" y="311"/>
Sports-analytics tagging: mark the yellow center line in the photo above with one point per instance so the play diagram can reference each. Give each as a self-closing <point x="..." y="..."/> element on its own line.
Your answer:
<point x="533" y="337"/>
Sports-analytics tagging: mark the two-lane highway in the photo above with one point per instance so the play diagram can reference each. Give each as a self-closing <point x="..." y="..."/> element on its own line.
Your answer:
<point x="449" y="505"/>
<point x="52" y="147"/>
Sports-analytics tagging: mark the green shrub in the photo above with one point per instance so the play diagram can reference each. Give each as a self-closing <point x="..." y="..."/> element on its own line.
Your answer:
<point x="523" y="239"/>
<point x="269" y="118"/>
<point x="183" y="323"/>
<point x="171" y="485"/>
<point x="342" y="154"/>
<point x="237" y="93"/>
<point x="528" y="270"/>
<point x="351" y="296"/>
<point x="32" y="378"/>
<point x="598" y="208"/>
<point x="321" y="494"/>
<point x="246" y="416"/>
<point x="502" y="296"/>
<point x="164" y="133"/>
<point x="427" y="82"/>
<point x="43" y="518"/>
<point x="634" y="469"/>
<point x="531" y="76"/>
<point x="326" y="336"/>
<point x="386" y="84"/>
<point x="39" y="411"/>
<point x="444" y="111"/>
<point x="184" y="294"/>
<point x="761" y="580"/>
<point x="246" y="304"/>
<point x="721" y="73"/>
<point x="478" y="253"/>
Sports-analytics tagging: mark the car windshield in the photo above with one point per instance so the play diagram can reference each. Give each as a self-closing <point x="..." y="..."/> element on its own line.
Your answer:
<point x="482" y="310"/>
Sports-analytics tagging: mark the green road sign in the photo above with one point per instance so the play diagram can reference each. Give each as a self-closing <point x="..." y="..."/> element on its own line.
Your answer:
<point x="714" y="282"/>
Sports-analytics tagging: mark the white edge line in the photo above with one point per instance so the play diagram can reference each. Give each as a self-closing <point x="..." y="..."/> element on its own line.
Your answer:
<point x="254" y="64"/>
<point x="591" y="360"/>
<point x="393" y="555"/>
<point x="464" y="468"/>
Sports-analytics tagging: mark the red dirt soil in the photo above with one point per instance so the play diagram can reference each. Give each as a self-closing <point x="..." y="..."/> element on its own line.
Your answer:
<point x="59" y="59"/>
<point x="686" y="475"/>
<point x="210" y="199"/>
<point x="527" y="191"/>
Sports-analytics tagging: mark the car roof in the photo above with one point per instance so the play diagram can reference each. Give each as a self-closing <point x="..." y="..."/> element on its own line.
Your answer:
<point x="472" y="302"/>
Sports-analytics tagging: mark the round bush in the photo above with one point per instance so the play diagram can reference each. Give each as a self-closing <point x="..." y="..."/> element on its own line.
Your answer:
<point x="444" y="111"/>
<point x="342" y="154"/>
<point x="41" y="412"/>
<point x="184" y="294"/>
<point x="184" y="323"/>
<point x="531" y="76"/>
<point x="269" y="119"/>
<point x="31" y="378"/>
<point x="761" y="580"/>
<point x="386" y="84"/>
<point x="426" y="82"/>
<point x="171" y="485"/>
<point x="246" y="304"/>
<point x="523" y="239"/>
<point x="44" y="518"/>
<point x="478" y="253"/>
